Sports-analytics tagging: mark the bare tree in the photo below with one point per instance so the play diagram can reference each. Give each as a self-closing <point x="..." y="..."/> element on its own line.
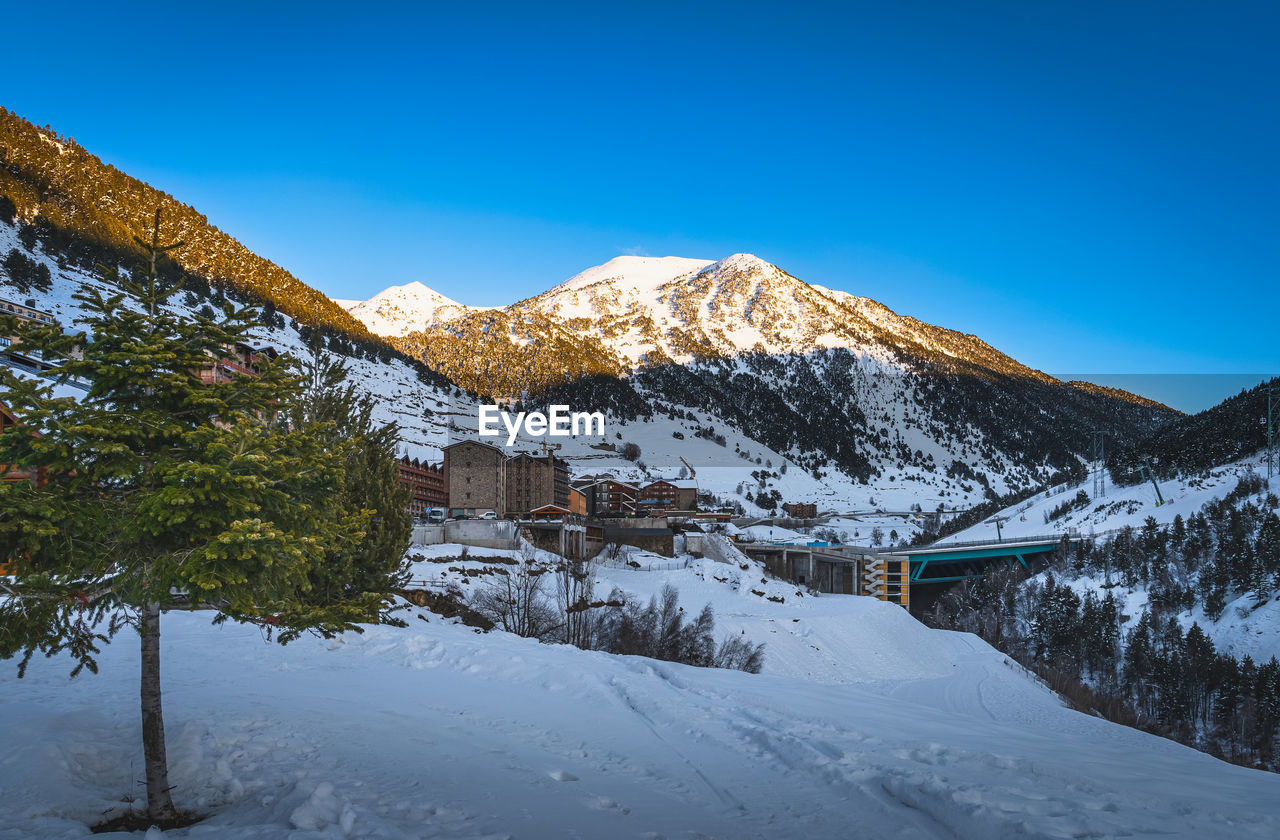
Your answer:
<point x="575" y="591"/>
<point x="517" y="601"/>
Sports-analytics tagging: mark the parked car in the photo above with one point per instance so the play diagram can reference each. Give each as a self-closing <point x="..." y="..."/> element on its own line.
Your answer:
<point x="489" y="515"/>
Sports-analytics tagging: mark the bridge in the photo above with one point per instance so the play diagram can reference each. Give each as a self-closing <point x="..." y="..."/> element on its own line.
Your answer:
<point x="951" y="562"/>
<point x="891" y="574"/>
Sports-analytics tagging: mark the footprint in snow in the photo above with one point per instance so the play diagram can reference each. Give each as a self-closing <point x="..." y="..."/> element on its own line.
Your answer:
<point x="562" y="776"/>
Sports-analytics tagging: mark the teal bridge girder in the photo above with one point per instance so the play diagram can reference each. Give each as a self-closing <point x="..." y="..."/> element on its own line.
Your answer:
<point x="953" y="563"/>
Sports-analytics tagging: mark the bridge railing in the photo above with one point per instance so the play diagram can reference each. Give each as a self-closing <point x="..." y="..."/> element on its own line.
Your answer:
<point x="1034" y="538"/>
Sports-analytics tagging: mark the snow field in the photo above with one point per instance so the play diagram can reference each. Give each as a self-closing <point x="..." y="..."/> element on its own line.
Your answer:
<point x="437" y="731"/>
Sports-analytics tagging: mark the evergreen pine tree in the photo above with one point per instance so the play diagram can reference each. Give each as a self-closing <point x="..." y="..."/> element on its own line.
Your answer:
<point x="358" y="575"/>
<point x="159" y="489"/>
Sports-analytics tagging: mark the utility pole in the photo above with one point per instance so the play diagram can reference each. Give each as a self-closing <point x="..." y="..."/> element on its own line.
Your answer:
<point x="1146" y="472"/>
<point x="1098" y="458"/>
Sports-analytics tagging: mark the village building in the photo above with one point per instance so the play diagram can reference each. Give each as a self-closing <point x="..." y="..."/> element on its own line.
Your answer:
<point x="658" y="496"/>
<point x="617" y="498"/>
<point x="669" y="494"/>
<point x="800" y="510"/>
<point x="243" y="359"/>
<point x="476" y="478"/>
<point x="26" y="312"/>
<point x="587" y="487"/>
<point x="577" y="501"/>
<point x="534" y="482"/>
<point x="686" y="493"/>
<point x="10" y="473"/>
<point x="426" y="483"/>
<point x="29" y="359"/>
<point x="649" y="534"/>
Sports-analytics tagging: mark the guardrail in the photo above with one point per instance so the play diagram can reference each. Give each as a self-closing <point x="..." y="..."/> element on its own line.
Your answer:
<point x="1035" y="538"/>
<point x="427" y="584"/>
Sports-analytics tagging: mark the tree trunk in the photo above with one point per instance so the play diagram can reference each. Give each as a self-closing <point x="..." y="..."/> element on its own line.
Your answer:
<point x="159" y="804"/>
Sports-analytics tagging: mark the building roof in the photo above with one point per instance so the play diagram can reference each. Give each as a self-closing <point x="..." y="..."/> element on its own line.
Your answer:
<point x="555" y="508"/>
<point x="22" y="309"/>
<point x="449" y="446"/>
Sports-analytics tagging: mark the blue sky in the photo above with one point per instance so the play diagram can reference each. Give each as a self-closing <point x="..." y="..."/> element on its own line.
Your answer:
<point x="1088" y="186"/>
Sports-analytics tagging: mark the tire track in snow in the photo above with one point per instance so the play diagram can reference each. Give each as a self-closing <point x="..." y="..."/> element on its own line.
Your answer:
<point x="724" y="796"/>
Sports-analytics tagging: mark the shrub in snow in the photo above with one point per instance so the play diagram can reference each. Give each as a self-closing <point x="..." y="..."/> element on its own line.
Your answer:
<point x="659" y="630"/>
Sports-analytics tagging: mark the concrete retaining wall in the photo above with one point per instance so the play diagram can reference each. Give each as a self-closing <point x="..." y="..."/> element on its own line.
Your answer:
<point x="428" y="534"/>
<point x="484" y="533"/>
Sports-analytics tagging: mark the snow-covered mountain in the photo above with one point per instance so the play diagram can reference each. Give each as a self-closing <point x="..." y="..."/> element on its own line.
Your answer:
<point x="823" y="377"/>
<point x="400" y="310"/>
<point x="646" y="310"/>
<point x="654" y="309"/>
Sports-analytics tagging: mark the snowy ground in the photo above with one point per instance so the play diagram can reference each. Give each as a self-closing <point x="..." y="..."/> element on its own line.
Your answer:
<point x="1118" y="507"/>
<point x="864" y="724"/>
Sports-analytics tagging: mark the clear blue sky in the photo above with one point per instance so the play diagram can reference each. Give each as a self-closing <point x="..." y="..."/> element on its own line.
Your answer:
<point x="1088" y="186"/>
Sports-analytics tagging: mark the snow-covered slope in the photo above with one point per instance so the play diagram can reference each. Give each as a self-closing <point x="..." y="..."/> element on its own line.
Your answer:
<point x="435" y="731"/>
<point x="400" y="310"/>
<point x="1247" y="626"/>
<point x="628" y="274"/>
<point x="423" y="411"/>
<point x="1119" y="507"/>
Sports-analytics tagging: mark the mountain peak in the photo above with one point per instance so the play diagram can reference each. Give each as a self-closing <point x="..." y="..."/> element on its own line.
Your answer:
<point x="400" y="310"/>
<point x="743" y="261"/>
<point x="745" y="267"/>
<point x="633" y="272"/>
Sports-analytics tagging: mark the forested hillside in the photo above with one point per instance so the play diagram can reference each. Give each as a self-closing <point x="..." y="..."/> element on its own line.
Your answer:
<point x="1226" y="432"/>
<point x="88" y="212"/>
